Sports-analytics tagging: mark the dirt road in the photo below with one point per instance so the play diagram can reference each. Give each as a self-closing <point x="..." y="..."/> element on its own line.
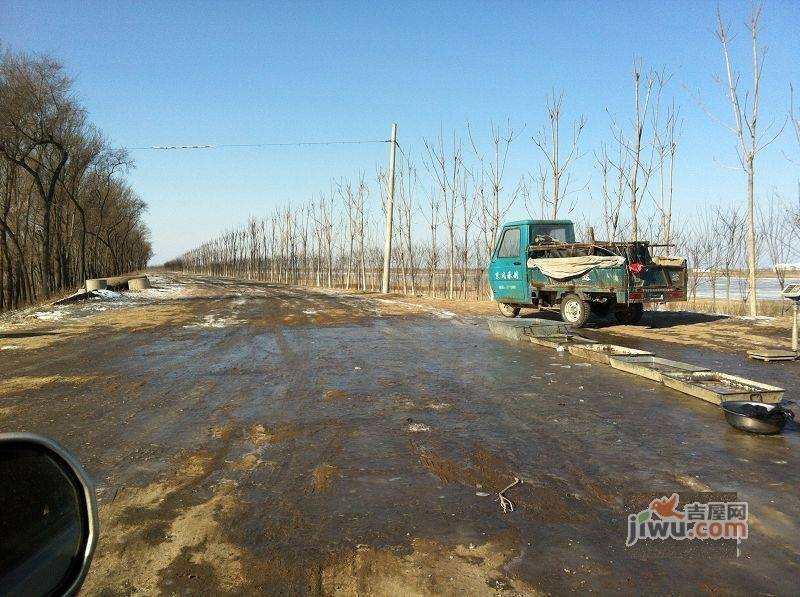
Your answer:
<point x="249" y="438"/>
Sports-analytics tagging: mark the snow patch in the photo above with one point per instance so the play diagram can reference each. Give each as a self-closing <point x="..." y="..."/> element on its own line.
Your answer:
<point x="104" y="300"/>
<point x="9" y="347"/>
<point x="109" y="295"/>
<point x="48" y="315"/>
<point x="440" y="313"/>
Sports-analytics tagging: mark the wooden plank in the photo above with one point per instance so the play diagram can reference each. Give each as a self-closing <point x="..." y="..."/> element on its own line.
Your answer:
<point x="772" y="355"/>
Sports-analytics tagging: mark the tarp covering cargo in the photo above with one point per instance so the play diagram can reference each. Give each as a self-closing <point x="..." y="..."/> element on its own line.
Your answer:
<point x="561" y="268"/>
<point x="661" y="260"/>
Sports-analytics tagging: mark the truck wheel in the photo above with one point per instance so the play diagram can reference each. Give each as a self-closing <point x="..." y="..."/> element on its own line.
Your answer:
<point x="574" y="311"/>
<point x="630" y="314"/>
<point x="508" y="310"/>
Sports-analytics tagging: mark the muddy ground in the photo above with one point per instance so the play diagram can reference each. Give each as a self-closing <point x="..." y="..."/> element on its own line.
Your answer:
<point x="248" y="438"/>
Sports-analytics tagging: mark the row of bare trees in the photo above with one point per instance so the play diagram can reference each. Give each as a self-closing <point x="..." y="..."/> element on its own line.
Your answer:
<point x="336" y="240"/>
<point x="66" y="211"/>
<point x="716" y="250"/>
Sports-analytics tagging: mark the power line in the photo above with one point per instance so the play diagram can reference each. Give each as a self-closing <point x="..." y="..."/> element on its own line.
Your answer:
<point x="237" y="145"/>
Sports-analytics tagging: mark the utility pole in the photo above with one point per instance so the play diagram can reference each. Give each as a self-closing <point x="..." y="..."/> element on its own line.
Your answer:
<point x="387" y="245"/>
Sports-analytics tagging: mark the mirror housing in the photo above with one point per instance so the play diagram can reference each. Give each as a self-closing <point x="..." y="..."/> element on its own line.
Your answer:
<point x="48" y="520"/>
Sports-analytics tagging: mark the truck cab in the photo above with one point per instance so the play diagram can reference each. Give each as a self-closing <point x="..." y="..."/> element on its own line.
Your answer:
<point x="618" y="277"/>
<point x="508" y="270"/>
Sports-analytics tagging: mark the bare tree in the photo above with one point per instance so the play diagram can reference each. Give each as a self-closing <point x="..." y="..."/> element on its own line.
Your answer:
<point x="345" y="191"/>
<point x="640" y="167"/>
<point x="407" y="194"/>
<point x="557" y="171"/>
<point x="613" y="175"/>
<point x="493" y="209"/>
<point x="446" y="168"/>
<point x="468" y="216"/>
<point x="360" y="201"/>
<point x="665" y="140"/>
<point x="729" y="227"/>
<point x="709" y="250"/>
<point x="432" y="218"/>
<point x="745" y="106"/>
<point x="695" y="246"/>
<point x="777" y="233"/>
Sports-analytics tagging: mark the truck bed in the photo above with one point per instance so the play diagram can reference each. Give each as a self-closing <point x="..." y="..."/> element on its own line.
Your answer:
<point x="656" y="281"/>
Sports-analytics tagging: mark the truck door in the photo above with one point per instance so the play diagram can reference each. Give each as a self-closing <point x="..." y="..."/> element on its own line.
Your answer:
<point x="507" y="271"/>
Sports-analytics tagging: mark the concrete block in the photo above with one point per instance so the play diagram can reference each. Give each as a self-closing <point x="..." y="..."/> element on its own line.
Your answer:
<point x="96" y="284"/>
<point x="141" y="283"/>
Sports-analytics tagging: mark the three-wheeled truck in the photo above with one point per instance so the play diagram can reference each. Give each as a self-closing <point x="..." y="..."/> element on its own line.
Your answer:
<point x="538" y="264"/>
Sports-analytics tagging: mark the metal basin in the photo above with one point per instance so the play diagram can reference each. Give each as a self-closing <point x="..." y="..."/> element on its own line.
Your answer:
<point x="770" y="423"/>
<point x="717" y="387"/>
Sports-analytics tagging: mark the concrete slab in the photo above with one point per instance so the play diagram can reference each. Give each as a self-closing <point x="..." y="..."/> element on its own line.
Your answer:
<point x="81" y="295"/>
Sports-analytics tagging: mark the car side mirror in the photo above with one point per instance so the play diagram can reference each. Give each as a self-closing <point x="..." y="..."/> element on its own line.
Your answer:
<point x="48" y="517"/>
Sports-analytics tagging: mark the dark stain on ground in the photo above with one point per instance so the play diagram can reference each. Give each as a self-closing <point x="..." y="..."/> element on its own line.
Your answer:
<point x="27" y="334"/>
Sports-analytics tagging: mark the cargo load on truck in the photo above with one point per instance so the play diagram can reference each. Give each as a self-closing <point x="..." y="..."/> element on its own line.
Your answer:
<point x="561" y="268"/>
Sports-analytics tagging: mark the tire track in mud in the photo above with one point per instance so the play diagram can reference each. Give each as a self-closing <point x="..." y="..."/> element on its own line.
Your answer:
<point x="231" y="352"/>
<point x="292" y="563"/>
<point x="280" y="538"/>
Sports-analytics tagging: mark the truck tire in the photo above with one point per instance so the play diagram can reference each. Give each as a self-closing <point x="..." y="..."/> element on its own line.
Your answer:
<point x="508" y="310"/>
<point x="630" y="314"/>
<point x="574" y="311"/>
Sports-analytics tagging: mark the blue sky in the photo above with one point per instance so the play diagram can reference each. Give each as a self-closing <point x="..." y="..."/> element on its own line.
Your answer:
<point x="160" y="73"/>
